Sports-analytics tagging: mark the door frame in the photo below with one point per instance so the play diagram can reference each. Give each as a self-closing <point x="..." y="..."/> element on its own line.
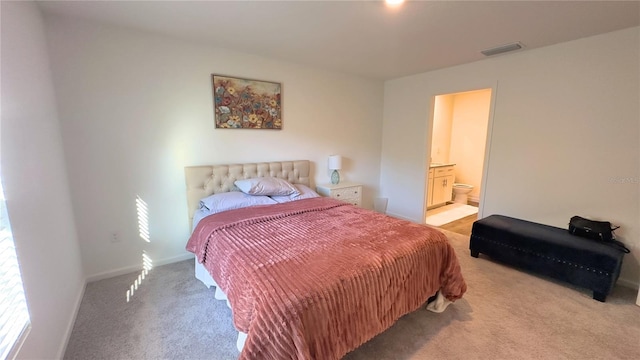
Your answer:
<point x="487" y="146"/>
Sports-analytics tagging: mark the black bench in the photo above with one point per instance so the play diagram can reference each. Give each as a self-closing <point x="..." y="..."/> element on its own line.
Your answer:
<point x="549" y="251"/>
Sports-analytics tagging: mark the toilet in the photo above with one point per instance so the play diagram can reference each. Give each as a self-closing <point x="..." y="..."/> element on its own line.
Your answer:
<point x="460" y="193"/>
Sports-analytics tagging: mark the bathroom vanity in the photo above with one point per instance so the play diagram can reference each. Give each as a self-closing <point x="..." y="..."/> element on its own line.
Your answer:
<point x="440" y="184"/>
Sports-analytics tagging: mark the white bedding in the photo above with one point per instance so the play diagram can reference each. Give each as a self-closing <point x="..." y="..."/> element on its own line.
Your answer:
<point x="197" y="216"/>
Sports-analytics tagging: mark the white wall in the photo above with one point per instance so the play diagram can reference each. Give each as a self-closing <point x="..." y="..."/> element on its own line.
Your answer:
<point x="136" y="108"/>
<point x="36" y="184"/>
<point x="564" y="140"/>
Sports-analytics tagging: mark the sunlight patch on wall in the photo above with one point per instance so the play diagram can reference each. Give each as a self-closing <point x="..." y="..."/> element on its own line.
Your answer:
<point x="143" y="219"/>
<point x="143" y="231"/>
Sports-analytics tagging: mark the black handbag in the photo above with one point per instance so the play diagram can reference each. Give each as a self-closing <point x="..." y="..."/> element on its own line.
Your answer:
<point x="595" y="230"/>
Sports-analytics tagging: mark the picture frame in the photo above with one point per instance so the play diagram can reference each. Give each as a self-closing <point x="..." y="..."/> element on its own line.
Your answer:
<point x="246" y="104"/>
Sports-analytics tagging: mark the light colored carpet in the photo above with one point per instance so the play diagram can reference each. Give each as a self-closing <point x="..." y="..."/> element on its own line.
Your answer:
<point x="449" y="213"/>
<point x="505" y="314"/>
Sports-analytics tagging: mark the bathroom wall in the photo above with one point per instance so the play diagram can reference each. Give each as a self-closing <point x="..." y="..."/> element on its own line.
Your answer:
<point x="468" y="137"/>
<point x="442" y="118"/>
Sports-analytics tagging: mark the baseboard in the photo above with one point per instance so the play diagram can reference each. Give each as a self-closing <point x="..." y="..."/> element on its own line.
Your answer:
<point x="136" y="268"/>
<point x="174" y="259"/>
<point x="113" y="273"/>
<point x="404" y="218"/>
<point x="628" y="283"/>
<point x="72" y="322"/>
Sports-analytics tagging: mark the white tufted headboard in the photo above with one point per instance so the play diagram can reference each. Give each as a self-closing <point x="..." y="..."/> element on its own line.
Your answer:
<point x="205" y="180"/>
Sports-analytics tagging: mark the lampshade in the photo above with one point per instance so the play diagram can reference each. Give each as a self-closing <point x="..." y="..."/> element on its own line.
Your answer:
<point x="335" y="162"/>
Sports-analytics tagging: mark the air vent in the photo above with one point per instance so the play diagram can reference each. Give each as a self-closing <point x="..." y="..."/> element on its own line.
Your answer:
<point x="502" y="49"/>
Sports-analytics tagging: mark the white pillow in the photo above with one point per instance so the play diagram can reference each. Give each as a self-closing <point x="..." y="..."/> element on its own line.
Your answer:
<point x="232" y="200"/>
<point x="265" y="186"/>
<point x="304" y="193"/>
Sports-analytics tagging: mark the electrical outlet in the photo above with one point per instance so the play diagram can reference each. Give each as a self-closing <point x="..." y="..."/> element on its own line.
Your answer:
<point x="115" y="237"/>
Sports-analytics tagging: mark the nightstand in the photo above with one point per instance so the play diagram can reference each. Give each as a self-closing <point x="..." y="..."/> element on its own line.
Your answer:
<point x="345" y="191"/>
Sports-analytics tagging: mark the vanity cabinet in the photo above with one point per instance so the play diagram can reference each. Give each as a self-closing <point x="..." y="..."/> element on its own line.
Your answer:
<point x="430" y="188"/>
<point x="440" y="185"/>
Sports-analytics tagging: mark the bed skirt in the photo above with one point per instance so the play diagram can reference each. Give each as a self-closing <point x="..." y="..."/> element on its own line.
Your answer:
<point x="203" y="275"/>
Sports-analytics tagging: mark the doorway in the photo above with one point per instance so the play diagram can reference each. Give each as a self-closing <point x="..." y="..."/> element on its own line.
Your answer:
<point x="457" y="156"/>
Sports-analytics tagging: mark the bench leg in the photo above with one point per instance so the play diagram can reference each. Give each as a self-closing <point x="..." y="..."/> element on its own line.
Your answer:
<point x="599" y="296"/>
<point x="475" y="253"/>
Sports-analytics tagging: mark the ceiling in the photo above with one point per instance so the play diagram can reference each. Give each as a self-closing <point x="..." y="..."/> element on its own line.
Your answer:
<point x="365" y="38"/>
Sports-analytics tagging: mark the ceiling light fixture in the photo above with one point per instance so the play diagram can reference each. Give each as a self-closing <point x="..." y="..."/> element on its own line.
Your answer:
<point x="502" y="49"/>
<point x="393" y="2"/>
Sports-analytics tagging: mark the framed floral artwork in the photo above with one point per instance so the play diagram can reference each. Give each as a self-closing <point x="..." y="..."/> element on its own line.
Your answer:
<point x="246" y="104"/>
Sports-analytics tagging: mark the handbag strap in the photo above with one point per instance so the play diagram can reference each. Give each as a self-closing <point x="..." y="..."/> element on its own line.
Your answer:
<point x="618" y="245"/>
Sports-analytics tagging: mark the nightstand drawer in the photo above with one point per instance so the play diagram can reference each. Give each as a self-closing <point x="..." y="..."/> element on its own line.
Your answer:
<point x="347" y="192"/>
<point x="355" y="202"/>
<point x="351" y="200"/>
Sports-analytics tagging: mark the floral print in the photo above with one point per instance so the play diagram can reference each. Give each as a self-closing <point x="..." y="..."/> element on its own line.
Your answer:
<point x="251" y="104"/>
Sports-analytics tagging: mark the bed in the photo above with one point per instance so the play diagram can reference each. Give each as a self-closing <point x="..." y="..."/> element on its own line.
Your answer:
<point x="312" y="278"/>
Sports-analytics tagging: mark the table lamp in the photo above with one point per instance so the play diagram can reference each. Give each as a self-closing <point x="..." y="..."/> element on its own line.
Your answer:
<point x="335" y="164"/>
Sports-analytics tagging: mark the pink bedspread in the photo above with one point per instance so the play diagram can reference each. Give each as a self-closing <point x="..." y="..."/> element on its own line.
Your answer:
<point x="316" y="278"/>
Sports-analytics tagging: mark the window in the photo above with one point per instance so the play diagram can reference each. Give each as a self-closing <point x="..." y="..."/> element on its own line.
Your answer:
<point x="14" y="316"/>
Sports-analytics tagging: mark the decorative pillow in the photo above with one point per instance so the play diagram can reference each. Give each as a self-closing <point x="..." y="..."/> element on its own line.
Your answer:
<point x="232" y="200"/>
<point x="266" y="186"/>
<point x="304" y="193"/>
